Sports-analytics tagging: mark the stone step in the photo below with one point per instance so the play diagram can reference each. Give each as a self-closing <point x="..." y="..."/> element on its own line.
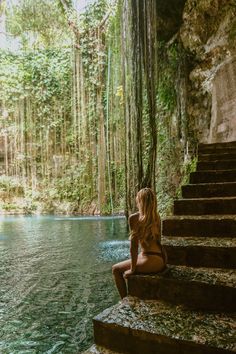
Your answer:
<point x="217" y="156"/>
<point x="208" y="190"/>
<point x="198" y="288"/>
<point x="216" y="165"/>
<point x="201" y="251"/>
<point x="203" y="226"/>
<point x="96" y="349"/>
<point x="205" y="206"/>
<point x="217" y="146"/>
<point x="223" y="151"/>
<point x="213" y="176"/>
<point x="153" y="327"/>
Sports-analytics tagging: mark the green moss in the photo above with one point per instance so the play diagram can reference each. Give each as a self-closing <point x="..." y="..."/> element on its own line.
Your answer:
<point x="9" y="206"/>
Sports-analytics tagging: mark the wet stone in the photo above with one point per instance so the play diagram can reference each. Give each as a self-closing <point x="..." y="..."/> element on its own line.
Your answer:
<point x="208" y="275"/>
<point x="215" y="329"/>
<point x="191" y="297"/>
<point x="199" y="241"/>
<point x="96" y="349"/>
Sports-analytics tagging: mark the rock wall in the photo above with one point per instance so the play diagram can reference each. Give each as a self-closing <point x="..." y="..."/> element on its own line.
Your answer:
<point x="208" y="33"/>
<point x="223" y="118"/>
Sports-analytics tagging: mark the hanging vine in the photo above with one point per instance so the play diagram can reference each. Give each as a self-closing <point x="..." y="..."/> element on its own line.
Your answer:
<point x="61" y="103"/>
<point x="91" y="116"/>
<point x="140" y="38"/>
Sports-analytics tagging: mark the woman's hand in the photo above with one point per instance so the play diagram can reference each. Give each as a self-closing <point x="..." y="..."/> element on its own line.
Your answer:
<point x="128" y="272"/>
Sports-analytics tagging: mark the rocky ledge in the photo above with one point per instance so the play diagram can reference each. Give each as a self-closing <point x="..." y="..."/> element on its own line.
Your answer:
<point x="138" y="326"/>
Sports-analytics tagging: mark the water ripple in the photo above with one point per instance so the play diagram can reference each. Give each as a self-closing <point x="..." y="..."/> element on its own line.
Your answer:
<point x="55" y="277"/>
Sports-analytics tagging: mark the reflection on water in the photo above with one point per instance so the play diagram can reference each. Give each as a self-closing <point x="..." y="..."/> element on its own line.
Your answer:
<point x="114" y="250"/>
<point x="55" y="275"/>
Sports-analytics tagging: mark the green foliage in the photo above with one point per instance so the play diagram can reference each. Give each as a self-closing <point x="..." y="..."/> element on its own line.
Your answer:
<point x="11" y="78"/>
<point x="174" y="166"/>
<point x="169" y="60"/>
<point x="170" y="159"/>
<point x="10" y="207"/>
<point x="42" y="75"/>
<point x="232" y="33"/>
<point x="58" y="99"/>
<point x="2" y="7"/>
<point x="91" y="45"/>
<point x="38" y="23"/>
<point x="47" y="94"/>
<point x="188" y="166"/>
<point x="11" y="185"/>
<point x="93" y="15"/>
<point x="29" y="206"/>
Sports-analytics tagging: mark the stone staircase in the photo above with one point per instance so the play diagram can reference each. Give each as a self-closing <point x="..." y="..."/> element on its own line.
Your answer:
<point x="190" y="307"/>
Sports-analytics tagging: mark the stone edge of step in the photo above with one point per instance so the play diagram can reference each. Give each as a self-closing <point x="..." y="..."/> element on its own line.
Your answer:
<point x="204" y="275"/>
<point x="205" y="206"/>
<point x="132" y="321"/>
<point x="227" y="144"/>
<point x="210" y="183"/>
<point x="96" y="349"/>
<point x="178" y="241"/>
<point x="201" y="217"/>
<point x="206" y="199"/>
<point x="213" y="172"/>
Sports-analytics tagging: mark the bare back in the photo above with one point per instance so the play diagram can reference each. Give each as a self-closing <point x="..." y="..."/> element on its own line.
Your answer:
<point x="152" y="245"/>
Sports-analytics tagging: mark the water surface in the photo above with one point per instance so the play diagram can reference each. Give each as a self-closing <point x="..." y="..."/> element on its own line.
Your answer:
<point x="55" y="276"/>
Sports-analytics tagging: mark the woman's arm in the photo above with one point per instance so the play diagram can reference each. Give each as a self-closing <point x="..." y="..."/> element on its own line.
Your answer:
<point x="134" y="256"/>
<point x="133" y="223"/>
<point x="133" y="252"/>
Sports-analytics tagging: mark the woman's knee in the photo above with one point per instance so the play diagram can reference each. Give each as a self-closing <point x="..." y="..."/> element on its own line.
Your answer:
<point x="120" y="268"/>
<point x="115" y="269"/>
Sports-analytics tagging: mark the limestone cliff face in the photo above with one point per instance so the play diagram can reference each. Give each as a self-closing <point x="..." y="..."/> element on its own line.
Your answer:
<point x="208" y="33"/>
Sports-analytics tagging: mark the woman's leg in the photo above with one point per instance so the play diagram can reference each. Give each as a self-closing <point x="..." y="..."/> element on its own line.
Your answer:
<point x="118" y="271"/>
<point x="145" y="264"/>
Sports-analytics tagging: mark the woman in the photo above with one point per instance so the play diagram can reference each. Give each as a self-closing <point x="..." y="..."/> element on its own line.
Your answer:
<point x="145" y="227"/>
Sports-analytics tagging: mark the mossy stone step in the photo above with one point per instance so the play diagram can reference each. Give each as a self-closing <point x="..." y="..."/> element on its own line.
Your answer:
<point x="199" y="241"/>
<point x="205" y="206"/>
<point x="216" y="152"/>
<point x="208" y="190"/>
<point x="198" y="288"/>
<point x="96" y="349"/>
<point x="195" y="244"/>
<point x="217" y="146"/>
<point x="220" y="151"/>
<point x="217" y="156"/>
<point x="154" y="327"/>
<point x="213" y="176"/>
<point x="201" y="251"/>
<point x="203" y="226"/>
<point x="216" y="165"/>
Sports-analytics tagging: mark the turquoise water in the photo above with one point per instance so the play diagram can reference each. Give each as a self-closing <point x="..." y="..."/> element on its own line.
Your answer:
<point x="55" y="276"/>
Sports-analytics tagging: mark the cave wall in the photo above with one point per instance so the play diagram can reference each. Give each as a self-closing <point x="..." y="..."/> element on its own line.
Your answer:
<point x="208" y="34"/>
<point x="223" y="113"/>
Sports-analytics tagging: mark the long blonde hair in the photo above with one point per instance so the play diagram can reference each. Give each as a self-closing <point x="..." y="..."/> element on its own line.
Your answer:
<point x="149" y="222"/>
